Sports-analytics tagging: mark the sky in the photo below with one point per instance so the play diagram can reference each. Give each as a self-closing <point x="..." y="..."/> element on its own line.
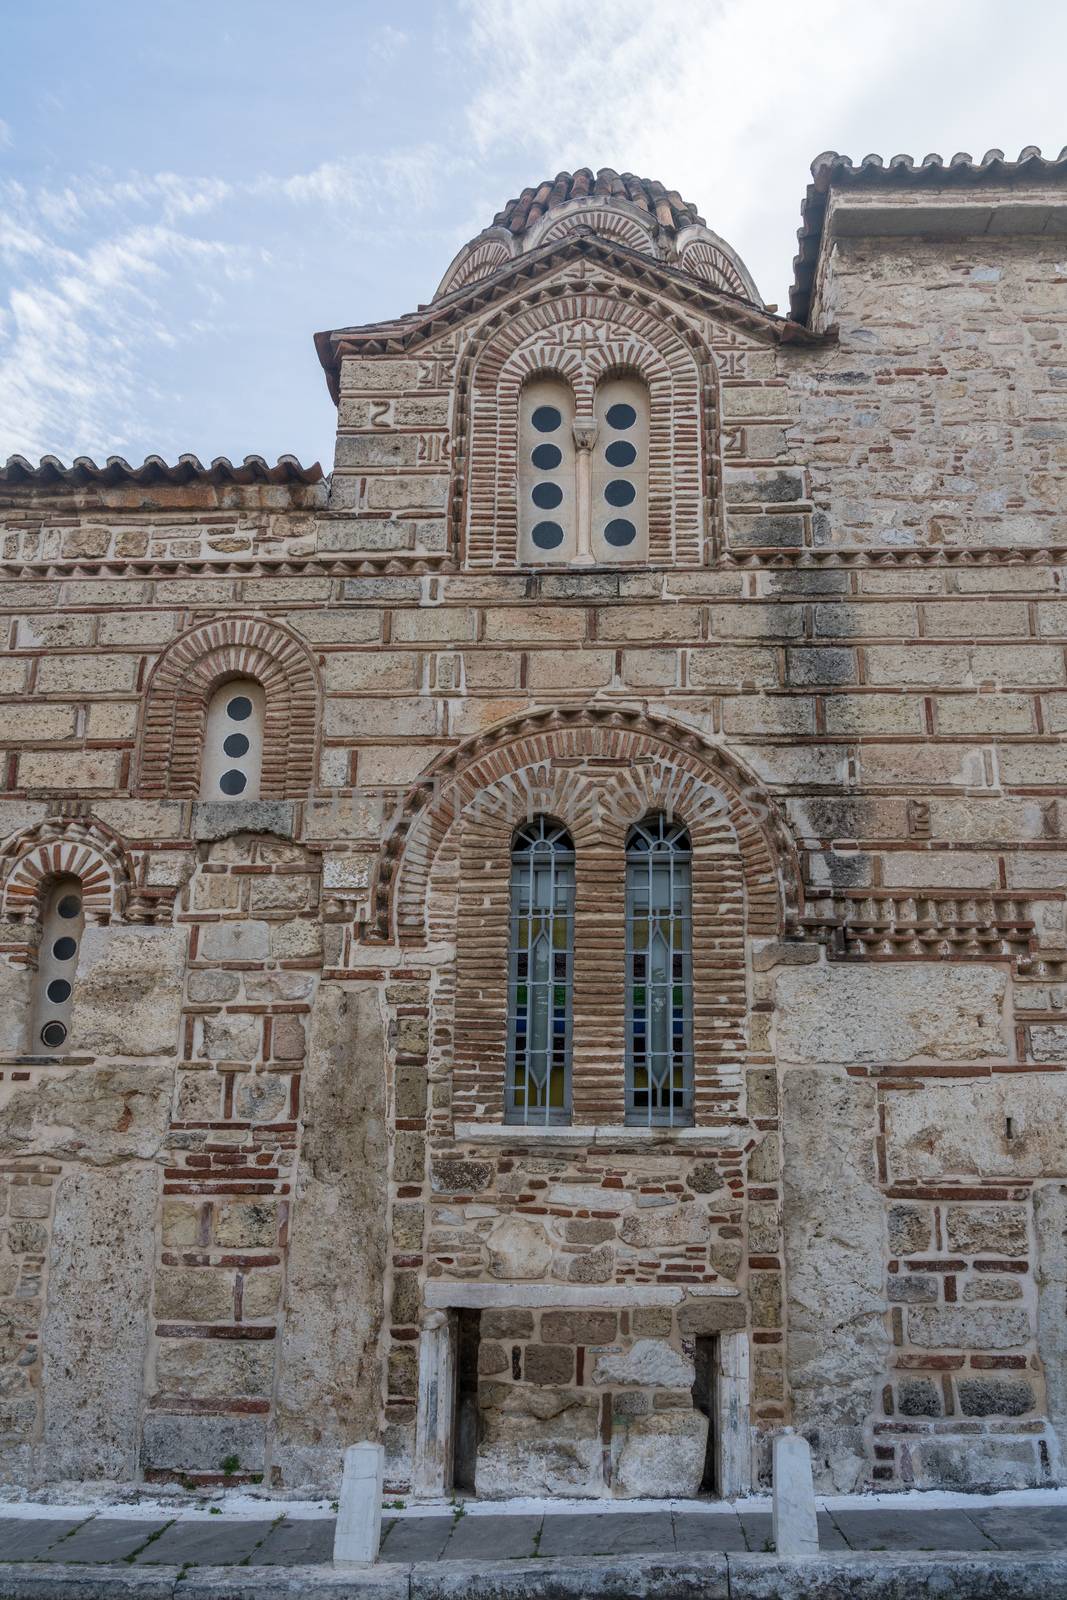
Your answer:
<point x="189" y="189"/>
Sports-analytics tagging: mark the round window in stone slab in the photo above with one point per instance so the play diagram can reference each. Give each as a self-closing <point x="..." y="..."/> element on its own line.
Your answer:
<point x="546" y="485"/>
<point x="62" y="925"/>
<point x="233" y="743"/>
<point x="620" y="472"/>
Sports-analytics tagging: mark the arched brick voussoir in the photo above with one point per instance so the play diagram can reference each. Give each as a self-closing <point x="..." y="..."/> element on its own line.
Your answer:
<point x="651" y="762"/>
<point x="63" y="847"/>
<point x="548" y="332"/>
<point x="182" y="682"/>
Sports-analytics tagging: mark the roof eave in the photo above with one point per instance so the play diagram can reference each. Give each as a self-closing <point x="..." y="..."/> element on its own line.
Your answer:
<point x="400" y="336"/>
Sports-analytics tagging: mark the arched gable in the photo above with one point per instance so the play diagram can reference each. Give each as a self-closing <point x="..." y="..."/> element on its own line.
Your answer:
<point x="586" y="336"/>
<point x="651" y="761"/>
<point x="65" y="847"/>
<point x="181" y="685"/>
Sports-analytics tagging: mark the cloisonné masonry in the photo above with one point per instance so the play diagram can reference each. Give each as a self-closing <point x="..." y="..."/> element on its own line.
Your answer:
<point x="320" y="1122"/>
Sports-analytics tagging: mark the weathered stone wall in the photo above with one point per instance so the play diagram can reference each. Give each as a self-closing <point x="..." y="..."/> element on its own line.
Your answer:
<point x="266" y="1068"/>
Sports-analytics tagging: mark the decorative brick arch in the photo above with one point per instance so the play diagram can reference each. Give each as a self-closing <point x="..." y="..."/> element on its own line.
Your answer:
<point x="64" y="847"/>
<point x="587" y="336"/>
<point x="183" y="681"/>
<point x="654" y="761"/>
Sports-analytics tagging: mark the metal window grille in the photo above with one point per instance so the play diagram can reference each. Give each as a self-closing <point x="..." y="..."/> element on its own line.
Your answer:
<point x="540" y="974"/>
<point x="659" y="943"/>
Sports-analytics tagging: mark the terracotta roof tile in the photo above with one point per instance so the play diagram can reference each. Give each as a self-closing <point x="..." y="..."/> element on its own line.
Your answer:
<point x="187" y="469"/>
<point x="831" y="170"/>
<point x="666" y="205"/>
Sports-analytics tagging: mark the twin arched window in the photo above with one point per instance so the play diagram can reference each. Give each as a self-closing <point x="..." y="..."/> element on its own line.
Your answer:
<point x="583" y="481"/>
<point x="659" y="1007"/>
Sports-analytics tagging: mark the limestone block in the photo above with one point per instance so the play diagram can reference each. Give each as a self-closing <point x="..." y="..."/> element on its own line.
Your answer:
<point x="962" y="1128"/>
<point x="845" y="1014"/>
<point x="334" y="1296"/>
<point x="519" y="1248"/>
<point x="232" y="1036"/>
<point x="537" y="1442"/>
<point x="214" y="1368"/>
<point x="378" y="376"/>
<point x="1050" y="1225"/>
<point x="647" y="1361"/>
<point x="995" y="1397"/>
<point x="61" y="771"/>
<point x="548" y="1364"/>
<point x="194" y="1294"/>
<point x="911" y="1230"/>
<point x="99" y="1114"/>
<point x="733" y="667"/>
<point x="969" y="1327"/>
<point x="221" y="819"/>
<point x="684" y="1224"/>
<point x="202" y="1443"/>
<point x="833" y="1216"/>
<point x="659" y="1455"/>
<point x="127" y="998"/>
<point x="989" y="1230"/>
<point x="96" y="1326"/>
<point x="16" y="1007"/>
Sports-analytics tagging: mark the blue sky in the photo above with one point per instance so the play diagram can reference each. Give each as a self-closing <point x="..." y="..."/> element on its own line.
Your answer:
<point x="188" y="191"/>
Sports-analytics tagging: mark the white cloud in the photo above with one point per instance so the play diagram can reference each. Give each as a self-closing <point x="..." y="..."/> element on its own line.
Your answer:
<point x="729" y="103"/>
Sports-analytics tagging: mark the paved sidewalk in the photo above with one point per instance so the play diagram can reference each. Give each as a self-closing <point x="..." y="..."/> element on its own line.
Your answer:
<point x="281" y="1541"/>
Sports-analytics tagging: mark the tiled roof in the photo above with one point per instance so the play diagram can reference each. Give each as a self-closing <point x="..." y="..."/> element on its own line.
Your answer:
<point x="666" y="205"/>
<point x="187" y="469"/>
<point x="831" y="170"/>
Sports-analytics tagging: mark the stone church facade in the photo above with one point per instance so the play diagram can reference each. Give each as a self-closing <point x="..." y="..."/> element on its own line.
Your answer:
<point x="546" y="946"/>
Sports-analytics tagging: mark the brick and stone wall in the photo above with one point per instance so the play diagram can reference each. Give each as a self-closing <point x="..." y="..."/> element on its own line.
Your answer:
<point x="276" y="1140"/>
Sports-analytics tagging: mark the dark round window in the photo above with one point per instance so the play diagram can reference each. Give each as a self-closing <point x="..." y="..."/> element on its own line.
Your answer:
<point x="546" y="496"/>
<point x="232" y="782"/>
<point x="58" y="991"/>
<point x="239" y="708"/>
<point x="65" y="949"/>
<point x="235" y="744"/>
<point x="547" y="535"/>
<point x="547" y="457"/>
<point x="53" y="1034"/>
<point x="620" y="453"/>
<point x="619" y="492"/>
<point x="546" y="419"/>
<point x="619" y="532"/>
<point x="69" y="906"/>
<point x="621" y="416"/>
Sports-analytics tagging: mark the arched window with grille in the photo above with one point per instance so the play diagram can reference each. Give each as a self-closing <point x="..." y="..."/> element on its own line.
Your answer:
<point x="233" y="742"/>
<point x="540" y="973"/>
<point x="659" y="942"/>
<point x="620" y="472"/>
<point x="546" y="472"/>
<point x="62" y="925"/>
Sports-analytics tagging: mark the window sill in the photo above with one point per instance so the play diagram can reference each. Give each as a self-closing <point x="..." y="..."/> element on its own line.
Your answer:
<point x="587" y="1134"/>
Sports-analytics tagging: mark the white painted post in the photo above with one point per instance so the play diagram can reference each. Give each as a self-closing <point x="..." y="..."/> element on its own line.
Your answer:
<point x="435" y="1417"/>
<point x="735" y="1416"/>
<point x="796" y="1531"/>
<point x="359" y="1510"/>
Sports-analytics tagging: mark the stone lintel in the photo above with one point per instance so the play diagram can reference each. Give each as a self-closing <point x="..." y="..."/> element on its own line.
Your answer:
<point x="445" y="1295"/>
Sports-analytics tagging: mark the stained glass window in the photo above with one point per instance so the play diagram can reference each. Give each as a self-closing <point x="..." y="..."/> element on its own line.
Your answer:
<point x="540" y="973"/>
<point x="659" y="1019"/>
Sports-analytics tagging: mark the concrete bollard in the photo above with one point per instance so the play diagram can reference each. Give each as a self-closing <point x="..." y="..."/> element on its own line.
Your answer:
<point x="796" y="1531"/>
<point x="359" y="1510"/>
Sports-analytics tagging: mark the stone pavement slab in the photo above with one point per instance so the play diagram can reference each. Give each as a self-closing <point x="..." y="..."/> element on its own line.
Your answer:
<point x="711" y="1530"/>
<point x="31" y="1538"/>
<point x="493" y="1538"/>
<point x="218" y="1542"/>
<point x="416" y="1539"/>
<point x="1029" y="1528"/>
<point x="107" y="1539"/>
<point x="304" y="1541"/>
<point x="939" y="1530"/>
<point x="607" y="1534"/>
